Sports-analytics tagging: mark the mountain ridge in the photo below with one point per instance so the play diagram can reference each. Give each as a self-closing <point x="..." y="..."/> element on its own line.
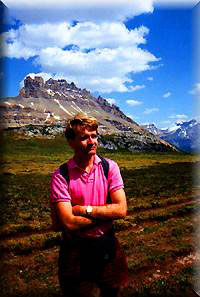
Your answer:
<point x="185" y="136"/>
<point x="53" y="102"/>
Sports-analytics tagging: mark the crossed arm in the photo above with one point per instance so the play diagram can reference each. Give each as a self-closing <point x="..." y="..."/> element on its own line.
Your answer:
<point x="74" y="218"/>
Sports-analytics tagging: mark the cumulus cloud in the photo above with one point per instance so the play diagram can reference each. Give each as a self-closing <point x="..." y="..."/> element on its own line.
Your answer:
<point x="99" y="57"/>
<point x="178" y="116"/>
<point x="111" y="100"/>
<point x="132" y="102"/>
<point x="82" y="36"/>
<point x="136" y="88"/>
<point x="82" y="41"/>
<point x="182" y="3"/>
<point x="166" y="95"/>
<point x="196" y="89"/>
<point x="101" y="68"/>
<point x="151" y="110"/>
<point x="82" y="10"/>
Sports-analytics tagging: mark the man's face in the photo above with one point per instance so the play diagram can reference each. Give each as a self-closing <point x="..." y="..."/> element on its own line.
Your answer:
<point x="85" y="142"/>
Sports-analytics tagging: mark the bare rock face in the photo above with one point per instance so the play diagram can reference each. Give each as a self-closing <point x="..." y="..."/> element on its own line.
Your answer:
<point x="43" y="104"/>
<point x="113" y="109"/>
<point x="32" y="87"/>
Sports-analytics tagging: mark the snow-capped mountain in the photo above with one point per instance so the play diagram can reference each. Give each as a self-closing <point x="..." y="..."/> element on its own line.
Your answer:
<point x="154" y="130"/>
<point x="185" y="135"/>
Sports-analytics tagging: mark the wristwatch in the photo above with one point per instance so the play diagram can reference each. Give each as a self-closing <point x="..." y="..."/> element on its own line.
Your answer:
<point x="89" y="211"/>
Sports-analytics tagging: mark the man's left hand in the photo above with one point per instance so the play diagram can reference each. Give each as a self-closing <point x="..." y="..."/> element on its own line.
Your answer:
<point x="79" y="210"/>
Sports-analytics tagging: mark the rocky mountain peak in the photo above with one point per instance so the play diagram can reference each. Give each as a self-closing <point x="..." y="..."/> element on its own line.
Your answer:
<point x="152" y="128"/>
<point x="31" y="86"/>
<point x="37" y="87"/>
<point x="44" y="107"/>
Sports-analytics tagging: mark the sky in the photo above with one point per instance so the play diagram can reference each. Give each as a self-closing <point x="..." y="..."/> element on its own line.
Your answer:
<point x="137" y="54"/>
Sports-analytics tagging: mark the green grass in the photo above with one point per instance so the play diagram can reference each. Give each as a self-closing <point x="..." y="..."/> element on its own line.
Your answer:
<point x="157" y="231"/>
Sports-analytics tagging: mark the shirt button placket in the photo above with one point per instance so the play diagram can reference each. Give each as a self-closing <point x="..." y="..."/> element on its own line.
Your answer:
<point x="91" y="177"/>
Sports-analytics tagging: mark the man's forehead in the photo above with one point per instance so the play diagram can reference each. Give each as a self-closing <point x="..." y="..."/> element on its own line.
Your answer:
<point x="86" y="130"/>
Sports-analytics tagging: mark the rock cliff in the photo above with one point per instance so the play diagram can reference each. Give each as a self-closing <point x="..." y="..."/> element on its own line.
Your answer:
<point x="42" y="104"/>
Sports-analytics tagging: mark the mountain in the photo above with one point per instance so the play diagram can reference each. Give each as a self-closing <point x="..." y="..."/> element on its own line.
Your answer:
<point x="43" y="107"/>
<point x="153" y="129"/>
<point x="55" y="101"/>
<point x="185" y="136"/>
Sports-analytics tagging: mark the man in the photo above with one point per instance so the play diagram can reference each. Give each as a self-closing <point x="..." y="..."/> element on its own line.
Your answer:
<point x="84" y="204"/>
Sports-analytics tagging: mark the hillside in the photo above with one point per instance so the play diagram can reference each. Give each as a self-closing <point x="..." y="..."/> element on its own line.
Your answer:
<point x="46" y="105"/>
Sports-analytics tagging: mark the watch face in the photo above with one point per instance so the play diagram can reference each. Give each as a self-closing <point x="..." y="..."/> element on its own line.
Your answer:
<point x="89" y="209"/>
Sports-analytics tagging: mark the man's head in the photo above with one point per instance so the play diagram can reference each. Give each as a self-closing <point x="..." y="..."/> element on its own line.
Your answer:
<point x="81" y="133"/>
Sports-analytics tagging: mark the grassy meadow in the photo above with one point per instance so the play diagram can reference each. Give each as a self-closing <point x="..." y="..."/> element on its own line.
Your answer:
<point x="158" y="234"/>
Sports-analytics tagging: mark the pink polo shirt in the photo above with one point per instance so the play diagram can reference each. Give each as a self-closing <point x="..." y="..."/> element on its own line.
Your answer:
<point x="87" y="189"/>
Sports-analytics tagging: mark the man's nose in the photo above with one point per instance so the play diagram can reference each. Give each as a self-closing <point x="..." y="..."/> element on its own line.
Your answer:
<point x="90" y="139"/>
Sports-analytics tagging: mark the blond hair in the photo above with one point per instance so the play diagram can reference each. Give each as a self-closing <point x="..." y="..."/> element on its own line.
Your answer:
<point x="80" y="122"/>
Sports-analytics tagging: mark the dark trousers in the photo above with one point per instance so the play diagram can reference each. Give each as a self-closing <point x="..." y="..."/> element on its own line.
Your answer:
<point x="91" y="263"/>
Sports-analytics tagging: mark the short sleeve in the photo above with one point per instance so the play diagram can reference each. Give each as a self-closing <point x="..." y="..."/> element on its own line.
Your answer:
<point x="114" y="177"/>
<point x="59" y="188"/>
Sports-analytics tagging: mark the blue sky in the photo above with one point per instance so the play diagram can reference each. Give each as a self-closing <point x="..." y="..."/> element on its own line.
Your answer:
<point x="138" y="56"/>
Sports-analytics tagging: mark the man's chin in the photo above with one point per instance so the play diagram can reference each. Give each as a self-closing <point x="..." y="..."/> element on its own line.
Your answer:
<point x="92" y="151"/>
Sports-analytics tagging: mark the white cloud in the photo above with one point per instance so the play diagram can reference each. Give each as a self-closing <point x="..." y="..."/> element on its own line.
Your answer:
<point x="83" y="36"/>
<point x="133" y="117"/>
<point x="136" y="88"/>
<point x="178" y="116"/>
<point x="102" y="69"/>
<point x="150" y="78"/>
<point x="182" y="3"/>
<point x="132" y="102"/>
<point x="111" y="100"/>
<point x="112" y="52"/>
<point x="196" y="89"/>
<point x="166" y="95"/>
<point x="98" y="52"/>
<point x="82" y="10"/>
<point x="150" y="110"/>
